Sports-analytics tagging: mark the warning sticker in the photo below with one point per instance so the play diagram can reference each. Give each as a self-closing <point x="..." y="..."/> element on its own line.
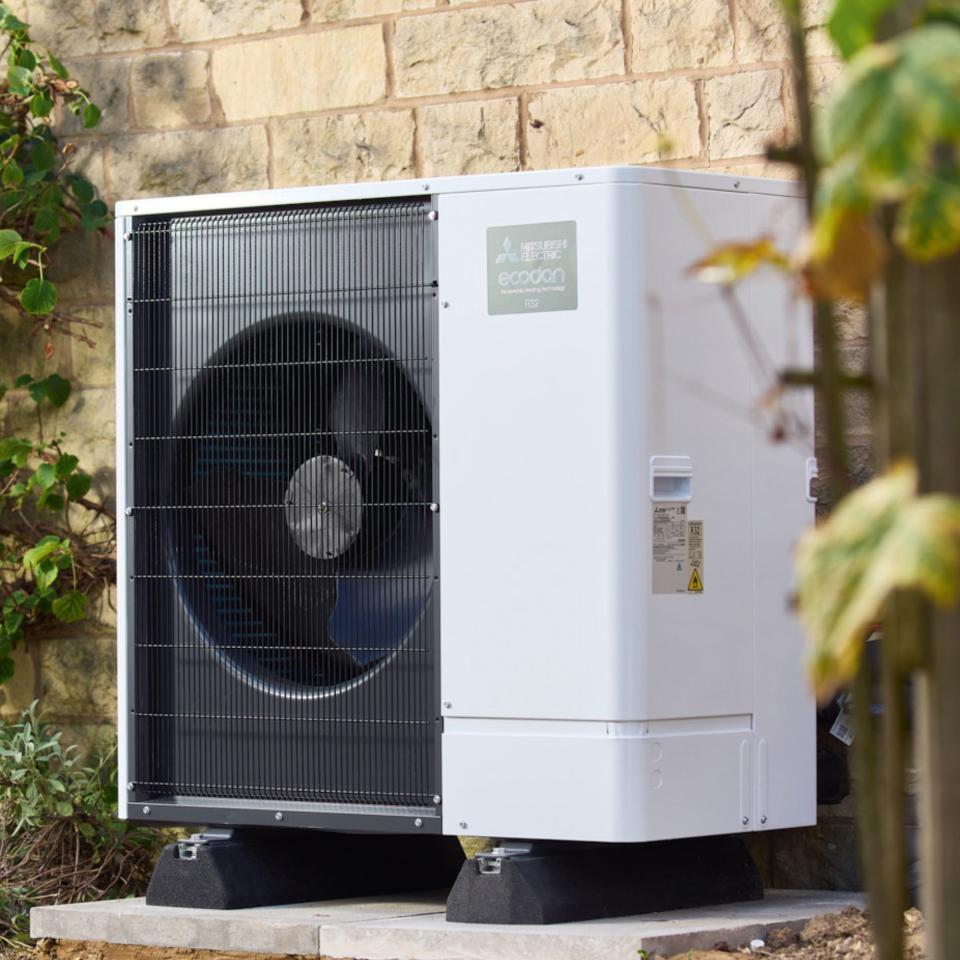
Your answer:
<point x="670" y="558"/>
<point x="677" y="550"/>
<point x="695" y="555"/>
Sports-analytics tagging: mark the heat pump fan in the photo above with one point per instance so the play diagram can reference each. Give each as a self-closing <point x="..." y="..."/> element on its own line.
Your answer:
<point x="308" y="495"/>
<point x="444" y="513"/>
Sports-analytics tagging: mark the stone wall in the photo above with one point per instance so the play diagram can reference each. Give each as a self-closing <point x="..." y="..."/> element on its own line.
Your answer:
<point x="210" y="95"/>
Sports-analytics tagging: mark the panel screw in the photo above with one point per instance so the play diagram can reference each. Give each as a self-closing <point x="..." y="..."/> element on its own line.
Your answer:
<point x="447" y="704"/>
<point x="736" y="184"/>
<point x="578" y="176"/>
<point x="434" y="507"/>
<point x="436" y="799"/>
<point x="445" y="304"/>
<point x="130" y="786"/>
<point x="463" y="824"/>
<point x="763" y="819"/>
<point x="146" y="811"/>
<point x="278" y="816"/>
<point x="129" y="511"/>
<point x="418" y="822"/>
<point x="432" y="215"/>
<point x="745" y="821"/>
<point x="426" y="186"/>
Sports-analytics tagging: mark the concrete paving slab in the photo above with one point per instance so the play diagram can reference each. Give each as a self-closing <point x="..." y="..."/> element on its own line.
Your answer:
<point x="417" y="929"/>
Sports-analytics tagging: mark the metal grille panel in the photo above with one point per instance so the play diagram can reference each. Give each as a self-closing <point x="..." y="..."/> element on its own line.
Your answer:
<point x="283" y="583"/>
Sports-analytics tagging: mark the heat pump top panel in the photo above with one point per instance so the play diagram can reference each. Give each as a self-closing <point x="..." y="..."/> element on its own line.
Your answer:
<point x="338" y="404"/>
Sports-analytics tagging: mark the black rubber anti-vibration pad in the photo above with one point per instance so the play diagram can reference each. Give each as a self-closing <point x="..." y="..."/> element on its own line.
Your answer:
<point x="258" y="868"/>
<point x="560" y="883"/>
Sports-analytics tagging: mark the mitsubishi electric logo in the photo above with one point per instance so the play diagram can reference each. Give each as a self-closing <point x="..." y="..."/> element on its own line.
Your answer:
<point x="532" y="268"/>
<point x="507" y="256"/>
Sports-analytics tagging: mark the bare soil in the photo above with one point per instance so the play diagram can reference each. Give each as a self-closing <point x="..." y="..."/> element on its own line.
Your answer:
<point x="830" y="936"/>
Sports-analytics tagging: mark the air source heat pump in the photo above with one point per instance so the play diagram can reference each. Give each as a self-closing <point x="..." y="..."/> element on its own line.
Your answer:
<point x="447" y="511"/>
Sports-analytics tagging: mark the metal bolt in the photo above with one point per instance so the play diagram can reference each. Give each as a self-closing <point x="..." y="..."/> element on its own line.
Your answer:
<point x="130" y="785"/>
<point x="278" y="816"/>
<point x="445" y="304"/>
<point x="763" y="819"/>
<point x="578" y="176"/>
<point x="463" y="825"/>
<point x="745" y="821"/>
<point x="146" y="811"/>
<point x="426" y="186"/>
<point x="436" y="799"/>
<point x="418" y="822"/>
<point x="432" y="215"/>
<point x="434" y="507"/>
<point x="447" y="704"/>
<point x="736" y="184"/>
<point x="129" y="511"/>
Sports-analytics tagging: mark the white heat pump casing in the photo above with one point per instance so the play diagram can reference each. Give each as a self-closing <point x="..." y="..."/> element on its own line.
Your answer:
<point x="577" y="703"/>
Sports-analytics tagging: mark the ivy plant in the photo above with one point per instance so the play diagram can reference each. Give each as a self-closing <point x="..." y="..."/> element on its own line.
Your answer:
<point x="56" y="539"/>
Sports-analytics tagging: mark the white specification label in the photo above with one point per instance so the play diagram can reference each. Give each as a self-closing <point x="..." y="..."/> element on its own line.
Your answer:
<point x="677" y="550"/>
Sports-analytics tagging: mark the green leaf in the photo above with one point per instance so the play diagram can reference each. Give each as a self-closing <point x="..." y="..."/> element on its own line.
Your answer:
<point x="45" y="574"/>
<point x="46" y="475"/>
<point x="91" y="115"/>
<point x="58" y="68"/>
<point x="64" y="808"/>
<point x="24" y="380"/>
<point x="7" y="668"/>
<point x="43" y="155"/>
<point x="853" y="23"/>
<point x="65" y="465"/>
<point x="12" y="622"/>
<point x="47" y="222"/>
<point x="41" y="104"/>
<point x="928" y="222"/>
<point x="40" y="551"/>
<point x="26" y="58"/>
<point x="94" y="215"/>
<point x="12" y="175"/>
<point x="49" y="500"/>
<point x="19" y="80"/>
<point x="70" y="607"/>
<point x="38" y="297"/>
<point x="78" y="486"/>
<point x="8" y="241"/>
<point x="57" y="389"/>
<point x="881" y="538"/>
<point x="82" y="189"/>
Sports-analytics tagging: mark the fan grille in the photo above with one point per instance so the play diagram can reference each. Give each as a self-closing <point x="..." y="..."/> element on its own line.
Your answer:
<point x="264" y="344"/>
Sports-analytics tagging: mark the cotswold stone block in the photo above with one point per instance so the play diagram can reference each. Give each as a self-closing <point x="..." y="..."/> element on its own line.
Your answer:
<point x="67" y="28"/>
<point x="762" y="34"/>
<point x="744" y="112"/>
<point x="106" y="82"/>
<point x="130" y="24"/>
<point x="188" y="161"/>
<point x="639" y="122"/>
<point x="301" y="73"/>
<point x="508" y="45"/>
<point x="78" y="676"/>
<point x="212" y="19"/>
<point x="170" y="89"/>
<point x="85" y="365"/>
<point x="479" y="137"/>
<point x="670" y="35"/>
<point x="18" y="693"/>
<point x="364" y="146"/>
<point x="353" y="9"/>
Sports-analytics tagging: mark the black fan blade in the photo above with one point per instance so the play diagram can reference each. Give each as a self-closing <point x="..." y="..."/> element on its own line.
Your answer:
<point x="356" y="415"/>
<point x="255" y="550"/>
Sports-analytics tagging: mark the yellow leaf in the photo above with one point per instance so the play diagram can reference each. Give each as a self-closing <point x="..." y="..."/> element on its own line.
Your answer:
<point x="731" y="262"/>
<point x="881" y="538"/>
<point x="844" y="256"/>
